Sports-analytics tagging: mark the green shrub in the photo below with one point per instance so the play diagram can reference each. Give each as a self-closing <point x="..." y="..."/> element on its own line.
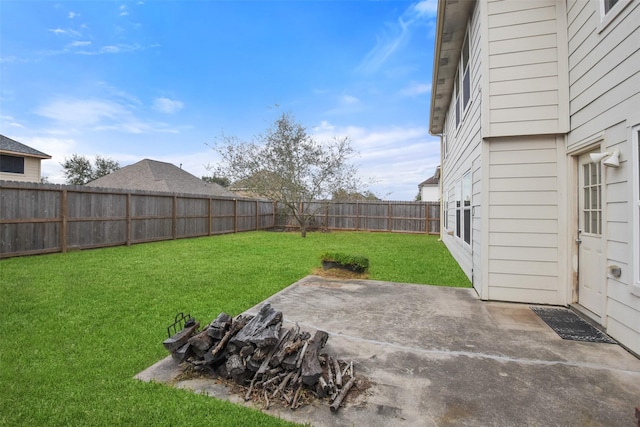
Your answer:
<point x="358" y="263"/>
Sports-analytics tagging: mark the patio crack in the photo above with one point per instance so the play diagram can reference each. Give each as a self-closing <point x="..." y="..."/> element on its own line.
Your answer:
<point x="476" y="355"/>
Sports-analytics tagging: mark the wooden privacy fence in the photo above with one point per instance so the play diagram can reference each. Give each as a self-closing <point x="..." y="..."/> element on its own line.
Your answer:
<point x="44" y="218"/>
<point x="390" y="216"/>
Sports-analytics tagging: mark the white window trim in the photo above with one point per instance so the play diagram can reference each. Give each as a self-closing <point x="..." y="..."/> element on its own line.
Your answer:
<point x="609" y="17"/>
<point x="635" y="138"/>
<point x="461" y="110"/>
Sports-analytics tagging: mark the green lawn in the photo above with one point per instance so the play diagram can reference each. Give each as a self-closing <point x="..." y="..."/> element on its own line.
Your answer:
<point x="77" y="327"/>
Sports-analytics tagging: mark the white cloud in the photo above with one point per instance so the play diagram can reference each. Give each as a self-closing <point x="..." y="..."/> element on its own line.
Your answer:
<point x="58" y="31"/>
<point x="349" y="100"/>
<point x="396" y="159"/>
<point x="166" y="105"/>
<point x="427" y="7"/>
<point x="123" y="10"/>
<point x="397" y="35"/>
<point x="79" y="43"/>
<point x="73" y="15"/>
<point x="77" y="115"/>
<point x="415" y="89"/>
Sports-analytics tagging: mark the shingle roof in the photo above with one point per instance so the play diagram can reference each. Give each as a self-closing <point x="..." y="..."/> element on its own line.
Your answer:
<point x="11" y="146"/>
<point x="151" y="175"/>
<point x="434" y="180"/>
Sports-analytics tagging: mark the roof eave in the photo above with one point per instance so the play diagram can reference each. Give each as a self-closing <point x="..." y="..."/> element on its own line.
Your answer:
<point x="18" y="153"/>
<point x="451" y="23"/>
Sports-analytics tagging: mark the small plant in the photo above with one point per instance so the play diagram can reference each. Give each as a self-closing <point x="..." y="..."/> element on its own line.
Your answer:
<point x="357" y="263"/>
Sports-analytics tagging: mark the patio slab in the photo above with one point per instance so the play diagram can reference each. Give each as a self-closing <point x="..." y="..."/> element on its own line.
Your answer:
<point x="439" y="356"/>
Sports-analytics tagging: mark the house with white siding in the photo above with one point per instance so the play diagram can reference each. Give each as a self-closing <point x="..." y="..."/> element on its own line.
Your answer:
<point x="19" y="162"/>
<point x="523" y="92"/>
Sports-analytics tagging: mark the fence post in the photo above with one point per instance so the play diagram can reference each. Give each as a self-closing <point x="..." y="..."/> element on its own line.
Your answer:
<point x="357" y="216"/>
<point x="63" y="227"/>
<point x="427" y="212"/>
<point x="128" y="215"/>
<point x="389" y="217"/>
<point x="235" y="215"/>
<point x="257" y="215"/>
<point x="174" y="225"/>
<point x="209" y="227"/>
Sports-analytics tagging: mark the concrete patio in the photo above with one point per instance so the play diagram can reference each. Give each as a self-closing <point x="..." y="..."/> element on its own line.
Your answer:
<point x="439" y="356"/>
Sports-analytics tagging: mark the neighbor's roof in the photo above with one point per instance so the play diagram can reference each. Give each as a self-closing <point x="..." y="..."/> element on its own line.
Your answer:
<point x="10" y="146"/>
<point x="431" y="181"/>
<point x="451" y="25"/>
<point x="151" y="175"/>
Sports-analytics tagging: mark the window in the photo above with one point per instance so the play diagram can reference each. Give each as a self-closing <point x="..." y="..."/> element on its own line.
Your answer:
<point x="592" y="198"/>
<point x="456" y="95"/>
<point x="11" y="164"/>
<point x="463" y="208"/>
<point x="636" y="210"/>
<point x="608" y="4"/>
<point x="458" y="208"/>
<point x="466" y="79"/>
<point x="445" y="211"/>
<point x="466" y="200"/>
<point x="462" y="82"/>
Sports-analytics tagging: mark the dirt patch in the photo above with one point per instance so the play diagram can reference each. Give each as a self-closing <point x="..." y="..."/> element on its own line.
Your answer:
<point x="339" y="273"/>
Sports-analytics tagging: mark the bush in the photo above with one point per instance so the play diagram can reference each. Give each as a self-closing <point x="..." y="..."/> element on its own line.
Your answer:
<point x="359" y="263"/>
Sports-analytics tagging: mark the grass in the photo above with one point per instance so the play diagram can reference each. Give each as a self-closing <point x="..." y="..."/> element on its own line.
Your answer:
<point x="77" y="327"/>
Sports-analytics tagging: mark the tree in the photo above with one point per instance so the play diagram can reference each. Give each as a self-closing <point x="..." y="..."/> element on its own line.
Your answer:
<point x="289" y="166"/>
<point x="220" y="180"/>
<point x="78" y="169"/>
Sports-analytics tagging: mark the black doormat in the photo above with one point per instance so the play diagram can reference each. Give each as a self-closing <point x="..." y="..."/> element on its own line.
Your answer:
<point x="570" y="326"/>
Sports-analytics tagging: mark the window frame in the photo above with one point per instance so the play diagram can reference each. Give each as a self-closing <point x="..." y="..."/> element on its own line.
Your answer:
<point x="467" y="195"/>
<point x="635" y="263"/>
<point x="608" y="16"/>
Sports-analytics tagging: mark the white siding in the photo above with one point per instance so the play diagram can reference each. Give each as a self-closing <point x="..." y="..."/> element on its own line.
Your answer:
<point x="464" y="156"/>
<point x="31" y="172"/>
<point x="604" y="78"/>
<point x="524" y="203"/>
<point x="526" y="80"/>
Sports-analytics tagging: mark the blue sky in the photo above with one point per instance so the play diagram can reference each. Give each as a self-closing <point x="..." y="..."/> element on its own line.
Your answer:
<point x="162" y="79"/>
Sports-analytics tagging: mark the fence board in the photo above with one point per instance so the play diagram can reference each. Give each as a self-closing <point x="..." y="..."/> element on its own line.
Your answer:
<point x="43" y="218"/>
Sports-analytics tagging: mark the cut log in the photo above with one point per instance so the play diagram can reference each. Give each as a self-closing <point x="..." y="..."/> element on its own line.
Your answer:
<point x="311" y="369"/>
<point x="237" y="325"/>
<point x="181" y="354"/>
<point x="235" y="368"/>
<point x="263" y="330"/>
<point x="181" y="338"/>
<point x="201" y="343"/>
<point x="219" y="326"/>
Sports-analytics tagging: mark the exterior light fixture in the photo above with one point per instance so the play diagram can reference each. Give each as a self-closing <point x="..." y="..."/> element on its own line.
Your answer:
<point x="609" y="158"/>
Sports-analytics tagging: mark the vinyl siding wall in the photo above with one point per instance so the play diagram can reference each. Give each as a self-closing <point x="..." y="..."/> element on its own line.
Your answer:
<point x="526" y="90"/>
<point x="604" y="77"/>
<point x="464" y="154"/>
<point x="524" y="203"/>
<point x="31" y="172"/>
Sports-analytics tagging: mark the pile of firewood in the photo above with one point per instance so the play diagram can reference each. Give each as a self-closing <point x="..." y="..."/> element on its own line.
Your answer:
<point x="273" y="363"/>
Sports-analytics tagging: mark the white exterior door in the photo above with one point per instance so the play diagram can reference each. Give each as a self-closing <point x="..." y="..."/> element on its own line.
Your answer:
<point x="591" y="255"/>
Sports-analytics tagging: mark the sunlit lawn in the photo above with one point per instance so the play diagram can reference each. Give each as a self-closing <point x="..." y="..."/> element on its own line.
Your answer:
<point x="77" y="327"/>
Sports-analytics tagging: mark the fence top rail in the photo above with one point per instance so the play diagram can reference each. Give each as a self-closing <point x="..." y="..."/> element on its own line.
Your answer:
<point x="19" y="185"/>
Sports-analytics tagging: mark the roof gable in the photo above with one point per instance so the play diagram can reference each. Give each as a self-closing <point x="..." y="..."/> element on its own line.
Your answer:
<point x="152" y="175"/>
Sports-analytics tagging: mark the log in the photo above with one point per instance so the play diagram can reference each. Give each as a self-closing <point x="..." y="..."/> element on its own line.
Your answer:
<point x="219" y="326"/>
<point x="235" y="368"/>
<point x="263" y="330"/>
<point x="178" y="340"/>
<point x="265" y="364"/>
<point x="336" y="366"/>
<point x="311" y="369"/>
<point x="201" y="343"/>
<point x="236" y="326"/>
<point x="343" y="393"/>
